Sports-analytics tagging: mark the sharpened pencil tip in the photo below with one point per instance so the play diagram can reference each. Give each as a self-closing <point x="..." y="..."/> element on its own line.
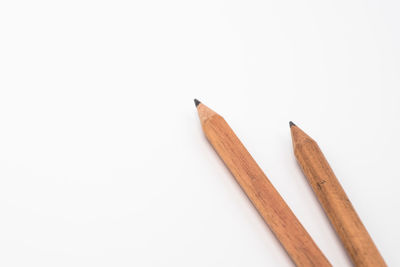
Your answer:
<point x="196" y="102"/>
<point x="291" y="124"/>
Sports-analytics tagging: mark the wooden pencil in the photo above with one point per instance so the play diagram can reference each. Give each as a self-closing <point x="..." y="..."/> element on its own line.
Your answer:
<point x="270" y="205"/>
<point x="334" y="201"/>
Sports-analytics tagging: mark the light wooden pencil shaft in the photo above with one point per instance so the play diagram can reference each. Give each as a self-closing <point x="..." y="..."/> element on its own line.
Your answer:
<point x="275" y="212"/>
<point x="333" y="199"/>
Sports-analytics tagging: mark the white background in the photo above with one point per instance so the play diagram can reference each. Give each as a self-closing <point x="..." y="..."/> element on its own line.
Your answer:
<point x="102" y="158"/>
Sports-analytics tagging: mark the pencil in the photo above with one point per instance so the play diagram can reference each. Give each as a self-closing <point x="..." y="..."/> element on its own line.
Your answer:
<point x="270" y="205"/>
<point x="334" y="201"/>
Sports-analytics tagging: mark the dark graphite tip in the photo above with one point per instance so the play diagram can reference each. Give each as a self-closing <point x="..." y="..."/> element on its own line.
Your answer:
<point x="291" y="123"/>
<point x="196" y="102"/>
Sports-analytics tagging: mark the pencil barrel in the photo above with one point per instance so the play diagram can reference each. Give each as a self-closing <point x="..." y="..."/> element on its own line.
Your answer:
<point x="270" y="205"/>
<point x="336" y="204"/>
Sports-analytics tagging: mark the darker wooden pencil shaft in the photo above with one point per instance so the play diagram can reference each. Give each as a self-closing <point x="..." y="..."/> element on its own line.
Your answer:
<point x="275" y="212"/>
<point x="335" y="202"/>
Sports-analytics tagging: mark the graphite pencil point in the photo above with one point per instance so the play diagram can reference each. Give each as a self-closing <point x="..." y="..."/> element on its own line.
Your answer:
<point x="196" y="102"/>
<point x="291" y="123"/>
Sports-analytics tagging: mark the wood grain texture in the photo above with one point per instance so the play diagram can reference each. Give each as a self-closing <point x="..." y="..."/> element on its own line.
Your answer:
<point x="334" y="201"/>
<point x="270" y="205"/>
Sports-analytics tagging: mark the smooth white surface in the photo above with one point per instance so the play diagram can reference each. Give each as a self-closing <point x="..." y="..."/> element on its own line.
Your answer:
<point x="102" y="157"/>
